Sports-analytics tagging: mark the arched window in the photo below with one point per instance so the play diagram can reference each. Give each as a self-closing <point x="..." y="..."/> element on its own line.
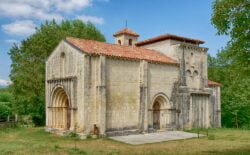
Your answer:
<point x="119" y="42"/>
<point x="130" y="42"/>
<point x="189" y="73"/>
<point x="62" y="55"/>
<point x="196" y="73"/>
<point x="62" y="63"/>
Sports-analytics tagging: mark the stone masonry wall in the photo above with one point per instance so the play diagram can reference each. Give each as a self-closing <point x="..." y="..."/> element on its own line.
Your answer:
<point x="215" y="108"/>
<point x="161" y="80"/>
<point x="66" y="71"/>
<point x="122" y="94"/>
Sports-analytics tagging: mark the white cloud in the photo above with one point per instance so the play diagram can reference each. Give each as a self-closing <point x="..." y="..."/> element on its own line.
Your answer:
<point x="69" y="5"/>
<point x="92" y="19"/>
<point x="20" y="27"/>
<point x="41" y="9"/>
<point x="27" y="9"/>
<point x="4" y="82"/>
<point x="12" y="41"/>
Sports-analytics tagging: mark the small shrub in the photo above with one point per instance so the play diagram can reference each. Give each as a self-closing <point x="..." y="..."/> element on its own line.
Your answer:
<point x="5" y="110"/>
<point x="73" y="134"/>
<point x="38" y="120"/>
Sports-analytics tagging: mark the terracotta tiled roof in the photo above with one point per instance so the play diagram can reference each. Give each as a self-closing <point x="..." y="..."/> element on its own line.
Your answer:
<point x="115" y="50"/>
<point x="168" y="36"/>
<point x="213" y="83"/>
<point x="126" y="31"/>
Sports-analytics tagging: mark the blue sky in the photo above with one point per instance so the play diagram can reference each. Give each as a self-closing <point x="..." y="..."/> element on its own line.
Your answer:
<point x="149" y="18"/>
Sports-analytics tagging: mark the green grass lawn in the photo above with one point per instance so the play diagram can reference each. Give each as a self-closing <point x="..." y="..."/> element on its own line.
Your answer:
<point x="37" y="141"/>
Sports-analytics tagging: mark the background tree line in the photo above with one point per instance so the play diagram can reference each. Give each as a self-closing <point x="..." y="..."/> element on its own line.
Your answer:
<point x="230" y="67"/>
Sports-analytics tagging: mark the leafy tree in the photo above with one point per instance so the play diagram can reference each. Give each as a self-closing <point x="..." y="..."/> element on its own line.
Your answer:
<point x="5" y="110"/>
<point x="231" y="66"/>
<point x="28" y="63"/>
<point x="232" y="17"/>
<point x="5" y="103"/>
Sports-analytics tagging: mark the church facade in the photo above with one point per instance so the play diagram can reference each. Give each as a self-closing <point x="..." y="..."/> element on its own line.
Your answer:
<point x="131" y="86"/>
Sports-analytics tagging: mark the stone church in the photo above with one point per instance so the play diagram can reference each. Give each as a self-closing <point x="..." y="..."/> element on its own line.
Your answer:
<point x="130" y="86"/>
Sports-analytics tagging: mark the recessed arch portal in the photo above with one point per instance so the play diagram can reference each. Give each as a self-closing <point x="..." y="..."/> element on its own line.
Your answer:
<point x="162" y="112"/>
<point x="156" y="115"/>
<point x="60" y="110"/>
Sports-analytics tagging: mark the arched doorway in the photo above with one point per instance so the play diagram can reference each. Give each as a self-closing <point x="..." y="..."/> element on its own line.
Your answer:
<point x="60" y="110"/>
<point x="162" y="113"/>
<point x="156" y="115"/>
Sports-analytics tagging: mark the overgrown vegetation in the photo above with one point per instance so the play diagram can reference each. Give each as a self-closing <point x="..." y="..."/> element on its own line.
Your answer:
<point x="231" y="67"/>
<point x="28" y="64"/>
<point x="37" y="141"/>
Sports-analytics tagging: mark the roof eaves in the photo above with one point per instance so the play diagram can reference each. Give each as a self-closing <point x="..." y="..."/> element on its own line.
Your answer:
<point x="74" y="46"/>
<point x="166" y="37"/>
<point x="136" y="35"/>
<point x="213" y="83"/>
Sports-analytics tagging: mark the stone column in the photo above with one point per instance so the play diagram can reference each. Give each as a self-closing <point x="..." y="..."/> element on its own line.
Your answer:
<point x="61" y="117"/>
<point x="183" y="79"/>
<point x="72" y="101"/>
<point x="143" y="113"/>
<point x="207" y="112"/>
<point x="56" y="117"/>
<point x="47" y="104"/>
<point x="191" y="113"/>
<point x="218" y="106"/>
<point x="51" y="117"/>
<point x="101" y="92"/>
<point x="86" y="74"/>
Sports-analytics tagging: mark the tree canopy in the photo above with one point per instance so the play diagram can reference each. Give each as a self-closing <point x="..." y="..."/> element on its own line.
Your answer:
<point x="232" y="17"/>
<point x="231" y="66"/>
<point x="28" y="63"/>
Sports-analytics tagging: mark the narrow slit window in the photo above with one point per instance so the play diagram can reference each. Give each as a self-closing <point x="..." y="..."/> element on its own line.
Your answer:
<point x="130" y="42"/>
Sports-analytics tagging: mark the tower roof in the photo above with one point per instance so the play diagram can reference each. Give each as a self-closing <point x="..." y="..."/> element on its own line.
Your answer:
<point x="126" y="31"/>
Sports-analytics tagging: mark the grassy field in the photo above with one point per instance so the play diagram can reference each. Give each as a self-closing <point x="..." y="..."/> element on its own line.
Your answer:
<point x="37" y="141"/>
